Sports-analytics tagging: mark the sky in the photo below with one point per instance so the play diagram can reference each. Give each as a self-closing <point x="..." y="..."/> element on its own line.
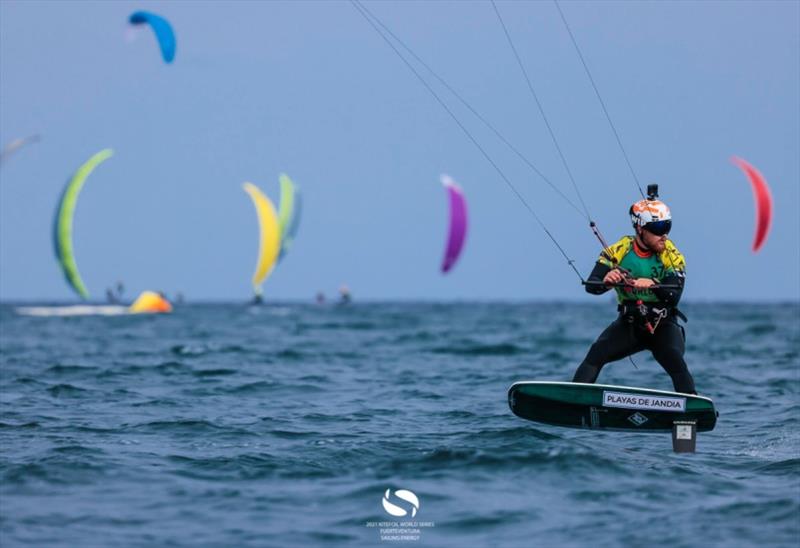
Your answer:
<point x="310" y="89"/>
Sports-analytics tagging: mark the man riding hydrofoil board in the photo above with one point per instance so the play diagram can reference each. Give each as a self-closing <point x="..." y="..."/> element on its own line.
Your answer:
<point x="648" y="273"/>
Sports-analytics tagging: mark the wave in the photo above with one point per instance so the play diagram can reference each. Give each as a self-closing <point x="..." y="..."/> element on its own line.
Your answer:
<point x="213" y="372"/>
<point x="77" y="449"/>
<point x="246" y="467"/>
<point x="167" y="369"/>
<point x="444" y="461"/>
<point x="787" y="467"/>
<point x="157" y="402"/>
<point x="63" y="369"/>
<point x="294" y="435"/>
<point x="776" y="511"/>
<point x="289" y="354"/>
<point x="180" y="426"/>
<point x="420" y="394"/>
<point x="67" y="391"/>
<point x="419" y="336"/>
<point x="502" y="349"/>
<point x="349" y="326"/>
<point x="204" y="349"/>
<point x="25" y="425"/>
<point x="256" y="387"/>
<point x="75" y="468"/>
<point x="761" y="329"/>
<point x="480" y="522"/>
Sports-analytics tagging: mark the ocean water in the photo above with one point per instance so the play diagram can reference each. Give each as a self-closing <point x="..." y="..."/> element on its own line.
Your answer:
<point x="284" y="425"/>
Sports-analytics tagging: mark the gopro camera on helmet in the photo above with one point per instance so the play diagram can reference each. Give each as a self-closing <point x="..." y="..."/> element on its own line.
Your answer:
<point x="652" y="192"/>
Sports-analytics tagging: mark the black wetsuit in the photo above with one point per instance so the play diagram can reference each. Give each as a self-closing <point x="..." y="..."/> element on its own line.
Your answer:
<point x="628" y="335"/>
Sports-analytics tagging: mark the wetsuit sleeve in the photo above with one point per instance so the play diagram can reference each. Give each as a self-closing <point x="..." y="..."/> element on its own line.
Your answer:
<point x="670" y="297"/>
<point x="675" y="275"/>
<point x="598" y="273"/>
<point x="608" y="259"/>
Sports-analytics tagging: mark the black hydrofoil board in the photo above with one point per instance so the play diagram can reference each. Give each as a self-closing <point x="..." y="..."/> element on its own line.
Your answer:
<point x="609" y="407"/>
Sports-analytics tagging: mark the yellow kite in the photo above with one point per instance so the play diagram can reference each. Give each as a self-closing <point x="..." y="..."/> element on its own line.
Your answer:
<point x="270" y="235"/>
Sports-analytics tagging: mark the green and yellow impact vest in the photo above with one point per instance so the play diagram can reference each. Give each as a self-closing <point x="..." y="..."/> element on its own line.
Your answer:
<point x="642" y="264"/>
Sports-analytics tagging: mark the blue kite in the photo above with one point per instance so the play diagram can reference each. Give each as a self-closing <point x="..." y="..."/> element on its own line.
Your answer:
<point x="162" y="30"/>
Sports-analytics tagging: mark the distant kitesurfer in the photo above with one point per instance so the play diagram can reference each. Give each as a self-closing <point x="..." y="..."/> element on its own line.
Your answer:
<point x="320" y="298"/>
<point x="110" y="296"/>
<point x="648" y="273"/>
<point x="344" y="295"/>
<point x="114" y="296"/>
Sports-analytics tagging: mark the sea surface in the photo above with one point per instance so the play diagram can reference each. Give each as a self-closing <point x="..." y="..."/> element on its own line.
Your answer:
<point x="285" y="424"/>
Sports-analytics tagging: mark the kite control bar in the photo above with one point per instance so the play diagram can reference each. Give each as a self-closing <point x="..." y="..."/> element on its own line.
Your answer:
<point x="630" y="286"/>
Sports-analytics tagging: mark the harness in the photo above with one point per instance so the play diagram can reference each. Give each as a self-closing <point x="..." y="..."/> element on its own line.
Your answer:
<point x="647" y="315"/>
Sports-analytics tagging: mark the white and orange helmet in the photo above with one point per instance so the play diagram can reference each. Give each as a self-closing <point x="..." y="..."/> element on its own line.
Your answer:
<point x="652" y="215"/>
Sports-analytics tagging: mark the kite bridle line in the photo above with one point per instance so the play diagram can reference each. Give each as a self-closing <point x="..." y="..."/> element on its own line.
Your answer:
<point x="384" y="32"/>
<point x="468" y="106"/>
<point x="610" y="122"/>
<point x="368" y="16"/>
<point x="600" y="99"/>
<point x="592" y="224"/>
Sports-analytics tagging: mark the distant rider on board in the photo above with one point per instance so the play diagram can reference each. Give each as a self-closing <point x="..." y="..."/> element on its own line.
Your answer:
<point x="648" y="272"/>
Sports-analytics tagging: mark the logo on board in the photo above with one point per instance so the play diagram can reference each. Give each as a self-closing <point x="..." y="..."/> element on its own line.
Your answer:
<point x="643" y="401"/>
<point x="638" y="419"/>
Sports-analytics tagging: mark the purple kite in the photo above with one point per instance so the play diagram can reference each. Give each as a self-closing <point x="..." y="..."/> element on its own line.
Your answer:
<point x="458" y="223"/>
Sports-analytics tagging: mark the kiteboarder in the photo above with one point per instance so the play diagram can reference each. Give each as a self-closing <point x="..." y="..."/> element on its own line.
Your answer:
<point x="648" y="273"/>
<point x="114" y="295"/>
<point x="344" y="295"/>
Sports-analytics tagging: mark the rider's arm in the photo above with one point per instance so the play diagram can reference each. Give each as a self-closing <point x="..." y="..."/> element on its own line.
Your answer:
<point x="598" y="273"/>
<point x="669" y="296"/>
<point x="675" y="275"/>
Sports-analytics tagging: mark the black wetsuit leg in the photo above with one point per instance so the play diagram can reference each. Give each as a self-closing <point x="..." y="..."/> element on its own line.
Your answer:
<point x="616" y="342"/>
<point x="668" y="345"/>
